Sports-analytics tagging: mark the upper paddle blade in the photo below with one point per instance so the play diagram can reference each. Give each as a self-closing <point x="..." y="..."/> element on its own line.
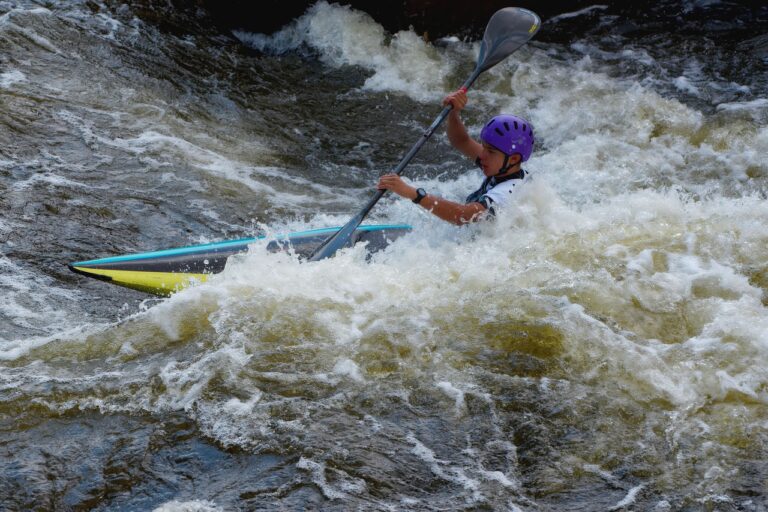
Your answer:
<point x="508" y="29"/>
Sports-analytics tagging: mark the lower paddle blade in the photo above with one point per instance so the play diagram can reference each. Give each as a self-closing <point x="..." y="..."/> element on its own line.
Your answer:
<point x="508" y="29"/>
<point x="337" y="241"/>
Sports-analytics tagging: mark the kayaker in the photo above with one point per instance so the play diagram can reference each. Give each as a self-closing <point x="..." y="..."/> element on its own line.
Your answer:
<point x="505" y="142"/>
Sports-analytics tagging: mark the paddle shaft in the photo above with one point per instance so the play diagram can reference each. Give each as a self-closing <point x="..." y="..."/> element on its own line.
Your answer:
<point x="416" y="147"/>
<point x="330" y="246"/>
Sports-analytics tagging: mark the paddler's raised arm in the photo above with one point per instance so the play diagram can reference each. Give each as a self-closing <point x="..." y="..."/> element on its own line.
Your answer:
<point x="457" y="132"/>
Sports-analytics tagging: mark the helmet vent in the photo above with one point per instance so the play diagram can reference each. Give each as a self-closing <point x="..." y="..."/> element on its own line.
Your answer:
<point x="506" y="125"/>
<point x="498" y="131"/>
<point x="515" y="122"/>
<point x="525" y="127"/>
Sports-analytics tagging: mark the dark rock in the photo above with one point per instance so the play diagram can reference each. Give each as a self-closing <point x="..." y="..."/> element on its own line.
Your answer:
<point x="438" y="18"/>
<point x="433" y="18"/>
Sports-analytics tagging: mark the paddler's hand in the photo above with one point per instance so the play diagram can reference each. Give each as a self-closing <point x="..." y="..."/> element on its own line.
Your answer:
<point x="457" y="99"/>
<point x="396" y="184"/>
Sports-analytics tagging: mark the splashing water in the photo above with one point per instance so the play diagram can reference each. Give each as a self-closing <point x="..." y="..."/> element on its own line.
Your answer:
<point x="601" y="344"/>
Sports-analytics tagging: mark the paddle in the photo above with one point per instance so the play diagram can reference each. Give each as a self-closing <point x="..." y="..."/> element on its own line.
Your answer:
<point x="508" y="29"/>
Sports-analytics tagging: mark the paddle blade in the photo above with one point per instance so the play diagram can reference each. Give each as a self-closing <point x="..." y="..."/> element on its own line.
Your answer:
<point x="508" y="29"/>
<point x="337" y="241"/>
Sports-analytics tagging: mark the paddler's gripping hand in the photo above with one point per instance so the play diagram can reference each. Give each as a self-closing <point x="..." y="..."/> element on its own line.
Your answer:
<point x="396" y="184"/>
<point x="457" y="99"/>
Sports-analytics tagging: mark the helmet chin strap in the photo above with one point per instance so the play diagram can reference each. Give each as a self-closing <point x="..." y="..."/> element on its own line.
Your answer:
<point x="505" y="166"/>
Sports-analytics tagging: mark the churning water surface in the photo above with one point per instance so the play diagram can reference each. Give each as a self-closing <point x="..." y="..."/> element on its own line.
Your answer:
<point x="602" y="345"/>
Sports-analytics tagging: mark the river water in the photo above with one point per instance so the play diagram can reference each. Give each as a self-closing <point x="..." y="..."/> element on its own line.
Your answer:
<point x="601" y="346"/>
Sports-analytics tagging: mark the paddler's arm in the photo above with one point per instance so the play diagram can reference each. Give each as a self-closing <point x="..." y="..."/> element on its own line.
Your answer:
<point x="455" y="213"/>
<point x="457" y="132"/>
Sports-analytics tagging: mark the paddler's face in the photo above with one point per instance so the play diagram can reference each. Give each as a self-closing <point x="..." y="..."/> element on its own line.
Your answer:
<point x="491" y="159"/>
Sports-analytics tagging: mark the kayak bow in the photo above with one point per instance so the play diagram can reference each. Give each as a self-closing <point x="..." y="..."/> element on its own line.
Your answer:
<point x="167" y="271"/>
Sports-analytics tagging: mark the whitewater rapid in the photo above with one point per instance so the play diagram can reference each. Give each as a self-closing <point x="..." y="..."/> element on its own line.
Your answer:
<point x="601" y="344"/>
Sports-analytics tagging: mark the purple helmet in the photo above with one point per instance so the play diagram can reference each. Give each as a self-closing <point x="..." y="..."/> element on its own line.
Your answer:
<point x="510" y="135"/>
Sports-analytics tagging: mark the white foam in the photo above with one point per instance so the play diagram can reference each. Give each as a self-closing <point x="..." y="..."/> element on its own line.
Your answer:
<point x="755" y="108"/>
<point x="189" y="506"/>
<point x="238" y="407"/>
<point x="344" y="37"/>
<point x="317" y="471"/>
<point x="52" y="179"/>
<point x="186" y="381"/>
<point x="37" y="308"/>
<point x="13" y="349"/>
<point x="629" y="498"/>
<point x="575" y="14"/>
<point x="501" y="478"/>
<point x="13" y="22"/>
<point x="444" y="469"/>
<point x="348" y="368"/>
<point x="8" y="78"/>
<point x="603" y="136"/>
<point x="639" y="55"/>
<point x="684" y="84"/>
<point x="455" y="393"/>
<point x="152" y="142"/>
<point x="744" y="105"/>
<point x="364" y="299"/>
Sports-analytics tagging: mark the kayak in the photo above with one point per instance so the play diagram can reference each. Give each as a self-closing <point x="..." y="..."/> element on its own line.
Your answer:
<point x="167" y="271"/>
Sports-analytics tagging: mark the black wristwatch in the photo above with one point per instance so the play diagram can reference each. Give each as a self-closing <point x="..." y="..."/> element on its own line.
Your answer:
<point x="420" y="194"/>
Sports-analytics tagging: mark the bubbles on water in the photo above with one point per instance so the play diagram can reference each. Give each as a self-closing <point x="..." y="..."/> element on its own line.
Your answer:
<point x="615" y="313"/>
<point x="189" y="506"/>
<point x="31" y="304"/>
<point x="8" y="78"/>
